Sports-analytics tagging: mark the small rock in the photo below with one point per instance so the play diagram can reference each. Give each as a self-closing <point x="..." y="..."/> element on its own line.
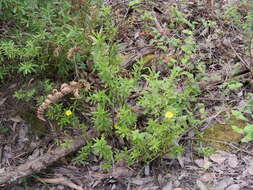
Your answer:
<point x="233" y="187"/>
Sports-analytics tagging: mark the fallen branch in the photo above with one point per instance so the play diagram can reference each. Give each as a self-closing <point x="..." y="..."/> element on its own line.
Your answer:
<point x="12" y="174"/>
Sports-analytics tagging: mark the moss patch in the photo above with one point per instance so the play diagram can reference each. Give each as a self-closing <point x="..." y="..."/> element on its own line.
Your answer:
<point x="223" y="132"/>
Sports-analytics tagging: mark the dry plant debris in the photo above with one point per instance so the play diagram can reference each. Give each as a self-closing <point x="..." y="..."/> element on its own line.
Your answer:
<point x="55" y="96"/>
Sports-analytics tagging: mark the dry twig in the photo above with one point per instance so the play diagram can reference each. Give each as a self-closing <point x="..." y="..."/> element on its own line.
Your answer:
<point x="61" y="181"/>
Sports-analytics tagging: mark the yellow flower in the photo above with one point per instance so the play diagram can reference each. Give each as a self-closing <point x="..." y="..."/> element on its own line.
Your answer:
<point x="169" y="114"/>
<point x="68" y="112"/>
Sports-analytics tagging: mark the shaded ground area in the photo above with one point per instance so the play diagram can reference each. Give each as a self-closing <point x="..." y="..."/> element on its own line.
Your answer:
<point x="221" y="46"/>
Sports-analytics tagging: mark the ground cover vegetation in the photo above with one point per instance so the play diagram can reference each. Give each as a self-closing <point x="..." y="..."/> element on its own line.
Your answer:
<point x="142" y="110"/>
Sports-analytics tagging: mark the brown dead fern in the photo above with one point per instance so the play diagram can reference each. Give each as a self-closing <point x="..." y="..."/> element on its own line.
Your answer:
<point x="72" y="51"/>
<point x="55" y="96"/>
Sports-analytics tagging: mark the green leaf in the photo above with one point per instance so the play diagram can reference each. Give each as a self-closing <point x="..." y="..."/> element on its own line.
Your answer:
<point x="134" y="3"/>
<point x="238" y="115"/>
<point x="189" y="32"/>
<point x="248" y="129"/>
<point x="247" y="138"/>
<point x="237" y="129"/>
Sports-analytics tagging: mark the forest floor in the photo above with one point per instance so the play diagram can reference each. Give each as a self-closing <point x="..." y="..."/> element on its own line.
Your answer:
<point x="227" y="163"/>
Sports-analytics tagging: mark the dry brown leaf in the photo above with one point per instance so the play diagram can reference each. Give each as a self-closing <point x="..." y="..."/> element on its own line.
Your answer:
<point x="224" y="183"/>
<point x="207" y="177"/>
<point x="16" y="119"/>
<point x="168" y="186"/>
<point x="141" y="181"/>
<point x="121" y="172"/>
<point x="250" y="170"/>
<point x="218" y="158"/>
<point x="2" y="100"/>
<point x="232" y="161"/>
<point x="203" y="163"/>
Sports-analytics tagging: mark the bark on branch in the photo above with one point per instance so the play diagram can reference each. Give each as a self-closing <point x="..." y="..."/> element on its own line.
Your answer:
<point x="12" y="174"/>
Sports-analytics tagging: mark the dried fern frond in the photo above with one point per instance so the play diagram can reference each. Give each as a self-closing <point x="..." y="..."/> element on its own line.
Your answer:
<point x="55" y="96"/>
<point x="72" y="51"/>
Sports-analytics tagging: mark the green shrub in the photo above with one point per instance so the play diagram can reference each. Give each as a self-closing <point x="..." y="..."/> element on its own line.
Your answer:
<point x="48" y="36"/>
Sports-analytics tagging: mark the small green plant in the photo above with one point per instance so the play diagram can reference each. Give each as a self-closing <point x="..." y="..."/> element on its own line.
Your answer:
<point x="84" y="153"/>
<point x="247" y="130"/>
<point x="167" y="111"/>
<point x="64" y="117"/>
<point x="133" y="3"/>
<point x="27" y="68"/>
<point x="206" y="151"/>
<point x="26" y="95"/>
<point x="179" y="18"/>
<point x="104" y="151"/>
<point x="67" y="143"/>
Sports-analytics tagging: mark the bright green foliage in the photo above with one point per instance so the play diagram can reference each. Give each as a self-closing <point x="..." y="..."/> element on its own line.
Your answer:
<point x="247" y="131"/>
<point x="26" y="95"/>
<point x="239" y="115"/>
<point x="64" y="117"/>
<point x="33" y="94"/>
<point x="113" y="115"/>
<point x="104" y="150"/>
<point x="178" y="18"/>
<point x="102" y="120"/>
<point x="206" y="151"/>
<point x="27" y="68"/>
<point x="161" y="96"/>
<point x="84" y="153"/>
<point x="44" y="35"/>
<point x="61" y="37"/>
<point x="134" y="3"/>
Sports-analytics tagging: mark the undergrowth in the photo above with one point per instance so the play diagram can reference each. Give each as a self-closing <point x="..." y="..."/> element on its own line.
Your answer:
<point x="57" y="39"/>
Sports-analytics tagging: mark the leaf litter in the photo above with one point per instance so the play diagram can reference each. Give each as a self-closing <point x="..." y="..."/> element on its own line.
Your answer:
<point x="219" y="171"/>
